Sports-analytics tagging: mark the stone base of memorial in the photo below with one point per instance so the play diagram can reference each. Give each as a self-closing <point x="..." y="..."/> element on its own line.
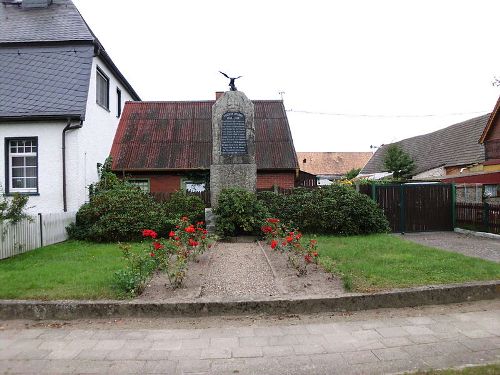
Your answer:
<point x="230" y="176"/>
<point x="233" y="154"/>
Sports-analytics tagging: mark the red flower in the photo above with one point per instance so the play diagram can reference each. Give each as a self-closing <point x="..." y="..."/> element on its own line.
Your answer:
<point x="190" y="229"/>
<point x="171" y="234"/>
<point x="274" y="243"/>
<point x="176" y="238"/>
<point x="203" y="237"/>
<point x="157" y="245"/>
<point x="205" y="231"/>
<point x="298" y="236"/>
<point x="200" y="223"/>
<point x="192" y="242"/>
<point x="308" y="258"/>
<point x="284" y="243"/>
<point x="152" y="254"/>
<point x="184" y="218"/>
<point x="266" y="229"/>
<point x="149" y="233"/>
<point x="313" y="242"/>
<point x="289" y="238"/>
<point x="315" y="254"/>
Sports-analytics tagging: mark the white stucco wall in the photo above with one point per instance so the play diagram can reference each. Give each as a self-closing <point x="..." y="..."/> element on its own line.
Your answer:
<point x="435" y="172"/>
<point x="94" y="139"/>
<point x="85" y="148"/>
<point x="49" y="162"/>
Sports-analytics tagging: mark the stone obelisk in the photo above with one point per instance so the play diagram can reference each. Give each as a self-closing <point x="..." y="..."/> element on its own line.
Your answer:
<point x="233" y="153"/>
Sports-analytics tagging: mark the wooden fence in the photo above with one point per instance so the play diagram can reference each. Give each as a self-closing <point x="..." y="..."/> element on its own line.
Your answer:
<point x="482" y="217"/>
<point x="415" y="207"/>
<point x="42" y="230"/>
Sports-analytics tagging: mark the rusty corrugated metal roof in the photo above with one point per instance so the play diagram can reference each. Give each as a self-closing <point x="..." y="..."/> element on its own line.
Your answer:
<point x="178" y="135"/>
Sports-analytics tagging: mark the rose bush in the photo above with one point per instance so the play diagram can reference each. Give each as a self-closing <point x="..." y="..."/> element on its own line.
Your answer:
<point x="289" y="242"/>
<point x="170" y="255"/>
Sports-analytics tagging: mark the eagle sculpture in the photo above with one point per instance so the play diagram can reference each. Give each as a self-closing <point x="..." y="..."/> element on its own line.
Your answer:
<point x="231" y="81"/>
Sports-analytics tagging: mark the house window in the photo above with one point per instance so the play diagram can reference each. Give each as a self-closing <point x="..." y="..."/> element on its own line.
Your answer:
<point x="195" y="186"/>
<point x="118" y="102"/>
<point x="102" y="93"/>
<point x="490" y="191"/>
<point x="142" y="184"/>
<point x="22" y="165"/>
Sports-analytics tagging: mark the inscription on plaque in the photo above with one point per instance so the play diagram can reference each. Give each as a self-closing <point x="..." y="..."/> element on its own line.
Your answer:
<point x="233" y="137"/>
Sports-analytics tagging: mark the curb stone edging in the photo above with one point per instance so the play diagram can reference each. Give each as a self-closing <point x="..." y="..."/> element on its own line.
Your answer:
<point x="429" y="295"/>
<point x="492" y="236"/>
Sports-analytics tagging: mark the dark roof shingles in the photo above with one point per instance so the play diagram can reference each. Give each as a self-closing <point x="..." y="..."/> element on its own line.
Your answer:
<point x="178" y="135"/>
<point x="455" y="145"/>
<point x="44" y="81"/>
<point x="61" y="21"/>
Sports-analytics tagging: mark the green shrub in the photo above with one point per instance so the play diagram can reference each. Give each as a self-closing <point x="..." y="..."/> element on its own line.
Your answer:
<point x="239" y="212"/>
<point x="117" y="214"/>
<point x="334" y="209"/>
<point x="181" y="204"/>
<point x="131" y="280"/>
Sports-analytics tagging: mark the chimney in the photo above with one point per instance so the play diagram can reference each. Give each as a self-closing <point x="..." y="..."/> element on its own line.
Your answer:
<point x="218" y="94"/>
<point x="36" y="3"/>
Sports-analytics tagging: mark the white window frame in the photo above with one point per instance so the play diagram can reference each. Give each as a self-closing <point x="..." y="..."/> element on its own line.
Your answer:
<point x="102" y="80"/>
<point x="140" y="183"/>
<point x="490" y="191"/>
<point x="185" y="184"/>
<point x="11" y="155"/>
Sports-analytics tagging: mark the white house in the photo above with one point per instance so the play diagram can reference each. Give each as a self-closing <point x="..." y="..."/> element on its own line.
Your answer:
<point x="61" y="98"/>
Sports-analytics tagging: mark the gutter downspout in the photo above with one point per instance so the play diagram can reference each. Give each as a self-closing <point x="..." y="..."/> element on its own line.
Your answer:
<point x="66" y="128"/>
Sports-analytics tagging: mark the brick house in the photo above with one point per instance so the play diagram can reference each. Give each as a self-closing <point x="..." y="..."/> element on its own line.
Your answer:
<point x="167" y="146"/>
<point x="331" y="166"/>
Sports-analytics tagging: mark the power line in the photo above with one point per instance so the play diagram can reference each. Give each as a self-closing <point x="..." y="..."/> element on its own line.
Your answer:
<point x="383" y="116"/>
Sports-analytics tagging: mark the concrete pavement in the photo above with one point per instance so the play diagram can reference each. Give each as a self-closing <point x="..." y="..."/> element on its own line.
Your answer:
<point x="369" y="342"/>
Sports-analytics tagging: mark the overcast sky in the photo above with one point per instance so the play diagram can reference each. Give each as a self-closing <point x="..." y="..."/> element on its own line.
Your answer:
<point x="340" y="64"/>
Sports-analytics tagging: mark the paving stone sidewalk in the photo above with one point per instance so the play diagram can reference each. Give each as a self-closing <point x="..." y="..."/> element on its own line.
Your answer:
<point x="472" y="246"/>
<point x="377" y="342"/>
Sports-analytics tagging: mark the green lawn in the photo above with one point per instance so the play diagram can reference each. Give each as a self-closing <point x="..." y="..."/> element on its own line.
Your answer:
<point x="382" y="261"/>
<point x="69" y="270"/>
<point x="81" y="270"/>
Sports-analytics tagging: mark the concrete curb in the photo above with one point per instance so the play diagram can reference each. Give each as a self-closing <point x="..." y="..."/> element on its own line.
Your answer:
<point x="478" y="234"/>
<point x="430" y="295"/>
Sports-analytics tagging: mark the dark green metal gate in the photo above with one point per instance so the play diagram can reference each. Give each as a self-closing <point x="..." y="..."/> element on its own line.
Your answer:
<point x="416" y="207"/>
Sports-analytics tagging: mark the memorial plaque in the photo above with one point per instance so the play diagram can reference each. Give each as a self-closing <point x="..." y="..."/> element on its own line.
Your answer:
<point x="233" y="135"/>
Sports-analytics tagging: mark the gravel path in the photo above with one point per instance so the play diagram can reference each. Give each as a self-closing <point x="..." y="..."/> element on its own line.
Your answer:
<point x="469" y="245"/>
<point x="238" y="270"/>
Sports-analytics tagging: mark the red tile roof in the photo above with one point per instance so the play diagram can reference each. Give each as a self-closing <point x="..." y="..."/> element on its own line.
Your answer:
<point x="332" y="163"/>
<point x="178" y="135"/>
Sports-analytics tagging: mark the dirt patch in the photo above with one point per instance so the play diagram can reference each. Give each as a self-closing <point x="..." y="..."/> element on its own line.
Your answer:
<point x="240" y="271"/>
<point x="317" y="283"/>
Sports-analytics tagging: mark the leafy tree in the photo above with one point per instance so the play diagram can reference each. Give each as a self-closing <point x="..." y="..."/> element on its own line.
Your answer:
<point x="399" y="162"/>
<point x="352" y="173"/>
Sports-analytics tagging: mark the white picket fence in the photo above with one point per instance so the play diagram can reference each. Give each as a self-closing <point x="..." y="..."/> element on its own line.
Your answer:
<point x="42" y="230"/>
